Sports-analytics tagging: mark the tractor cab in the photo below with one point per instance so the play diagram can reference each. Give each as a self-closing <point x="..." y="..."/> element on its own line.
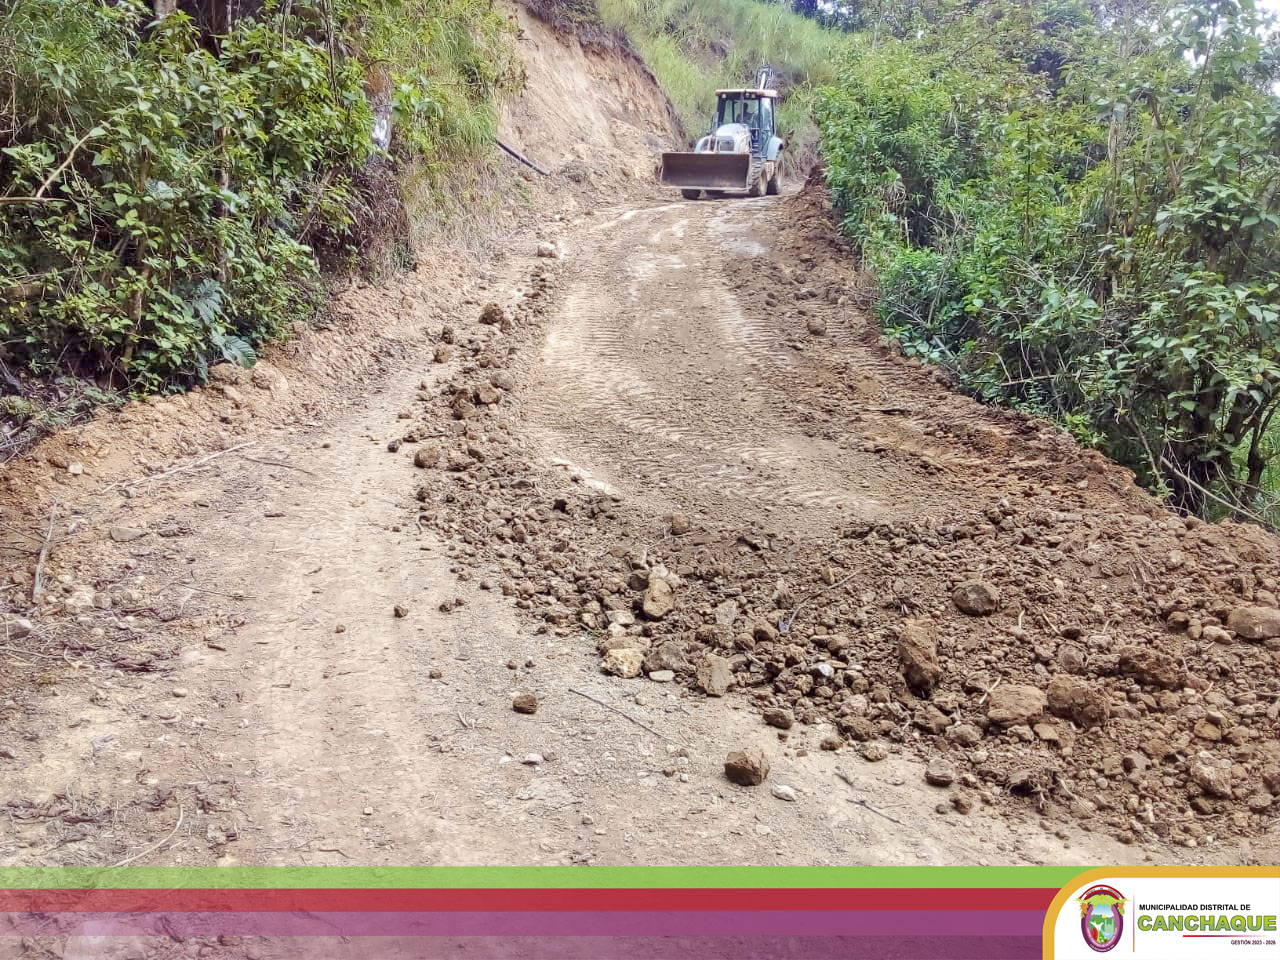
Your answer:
<point x="752" y="109"/>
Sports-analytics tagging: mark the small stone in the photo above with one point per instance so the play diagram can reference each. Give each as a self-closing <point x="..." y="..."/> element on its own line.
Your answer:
<point x="965" y="734"/>
<point x="918" y="651"/>
<point x="778" y="717"/>
<point x="531" y="759"/>
<point x="939" y="773"/>
<point x="548" y="251"/>
<point x="783" y="792"/>
<point x="368" y="811"/>
<point x="1015" y="704"/>
<point x="437" y="674"/>
<point x="831" y="743"/>
<point x="492" y="314"/>
<point x="747" y="769"/>
<point x="1255" y="623"/>
<point x="679" y="525"/>
<point x="1260" y="802"/>
<point x="1134" y="762"/>
<point x="932" y="720"/>
<point x="976" y="598"/>
<point x="962" y="802"/>
<point x="400" y="611"/>
<point x="180" y="692"/>
<point x="817" y="326"/>
<point x="126" y="534"/>
<point x="15" y="628"/>
<point x="873" y="751"/>
<point x="524" y="703"/>
<point x="623" y="663"/>
<point x="1212" y="775"/>
<point x="714" y="675"/>
<point x="1207" y="730"/>
<point x="659" y="600"/>
<point x="1151" y="667"/>
<point x="1215" y="634"/>
<point x="427" y="455"/>
<point x="662" y="676"/>
<point x="1078" y="700"/>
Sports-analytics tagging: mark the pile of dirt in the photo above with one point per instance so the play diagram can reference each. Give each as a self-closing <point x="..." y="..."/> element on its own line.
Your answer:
<point x="1058" y="640"/>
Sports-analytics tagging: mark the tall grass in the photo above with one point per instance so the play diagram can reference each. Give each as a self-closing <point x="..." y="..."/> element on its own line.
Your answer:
<point x="696" y="46"/>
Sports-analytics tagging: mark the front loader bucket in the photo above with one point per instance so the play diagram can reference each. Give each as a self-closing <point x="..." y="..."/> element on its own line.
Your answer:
<point x="706" y="171"/>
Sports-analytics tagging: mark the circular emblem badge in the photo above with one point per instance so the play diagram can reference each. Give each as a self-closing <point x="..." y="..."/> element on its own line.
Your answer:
<point x="1101" y="917"/>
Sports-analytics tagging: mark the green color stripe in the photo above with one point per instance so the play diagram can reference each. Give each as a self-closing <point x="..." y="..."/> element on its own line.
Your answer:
<point x="443" y="878"/>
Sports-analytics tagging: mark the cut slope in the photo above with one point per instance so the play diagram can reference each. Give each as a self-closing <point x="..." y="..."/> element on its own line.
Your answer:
<point x="589" y="105"/>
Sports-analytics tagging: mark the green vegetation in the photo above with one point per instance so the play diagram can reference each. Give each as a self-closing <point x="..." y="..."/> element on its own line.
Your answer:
<point x="1075" y="206"/>
<point x="166" y="196"/>
<point x="696" y="46"/>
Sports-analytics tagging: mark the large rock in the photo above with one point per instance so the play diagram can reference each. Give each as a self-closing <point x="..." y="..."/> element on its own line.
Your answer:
<point x="779" y="717"/>
<point x="1255" y="623"/>
<point x="623" y="663"/>
<point x="1015" y="703"/>
<point x="1078" y="700"/>
<point x="976" y="598"/>
<point x="939" y="773"/>
<point x="747" y="769"/>
<point x="918" y="651"/>
<point x="1151" y="667"/>
<point x="1212" y="775"/>
<point x="714" y="675"/>
<point x="668" y="655"/>
<point x="659" y="600"/>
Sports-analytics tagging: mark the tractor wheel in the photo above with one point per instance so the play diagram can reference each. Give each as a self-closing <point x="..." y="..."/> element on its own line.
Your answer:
<point x="775" y="182"/>
<point x="691" y="194"/>
<point x="758" y="186"/>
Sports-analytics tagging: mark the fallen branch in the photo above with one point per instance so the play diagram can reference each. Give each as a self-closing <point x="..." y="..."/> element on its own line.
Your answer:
<point x="154" y="847"/>
<point x="37" y="587"/>
<point x="626" y="716"/>
<point x="862" y="803"/>
<point x="279" y="463"/>
<point x="176" y="470"/>
<point x="1233" y="507"/>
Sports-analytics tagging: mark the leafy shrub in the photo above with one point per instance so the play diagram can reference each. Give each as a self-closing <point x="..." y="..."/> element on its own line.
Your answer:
<point x="159" y="196"/>
<point x="1077" y="209"/>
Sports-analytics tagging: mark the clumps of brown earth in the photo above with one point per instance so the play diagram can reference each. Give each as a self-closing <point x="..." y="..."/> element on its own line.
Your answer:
<point x="1118" y="666"/>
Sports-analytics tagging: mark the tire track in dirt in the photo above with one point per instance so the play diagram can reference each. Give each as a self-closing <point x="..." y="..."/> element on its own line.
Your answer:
<point x="655" y="363"/>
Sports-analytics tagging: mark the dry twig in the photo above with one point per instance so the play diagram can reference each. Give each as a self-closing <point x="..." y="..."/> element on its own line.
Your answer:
<point x="627" y="716"/>
<point x="37" y="588"/>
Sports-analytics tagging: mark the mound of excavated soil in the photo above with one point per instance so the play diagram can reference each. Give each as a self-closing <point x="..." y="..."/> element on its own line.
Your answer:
<point x="685" y="447"/>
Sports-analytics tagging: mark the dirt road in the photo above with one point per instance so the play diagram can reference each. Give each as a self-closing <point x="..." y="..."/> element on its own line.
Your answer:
<point x="305" y="650"/>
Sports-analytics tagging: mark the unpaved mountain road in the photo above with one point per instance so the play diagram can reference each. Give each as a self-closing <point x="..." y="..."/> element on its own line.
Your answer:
<point x="306" y="650"/>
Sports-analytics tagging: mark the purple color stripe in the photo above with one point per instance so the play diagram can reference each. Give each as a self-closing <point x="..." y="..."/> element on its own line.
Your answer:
<point x="710" y="923"/>
<point x="644" y="948"/>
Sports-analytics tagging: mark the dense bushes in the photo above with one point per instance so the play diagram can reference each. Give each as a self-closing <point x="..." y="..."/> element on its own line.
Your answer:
<point x="1076" y="209"/>
<point x="163" y="193"/>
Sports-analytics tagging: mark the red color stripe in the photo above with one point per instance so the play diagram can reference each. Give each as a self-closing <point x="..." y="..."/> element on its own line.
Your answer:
<point x="112" y="901"/>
